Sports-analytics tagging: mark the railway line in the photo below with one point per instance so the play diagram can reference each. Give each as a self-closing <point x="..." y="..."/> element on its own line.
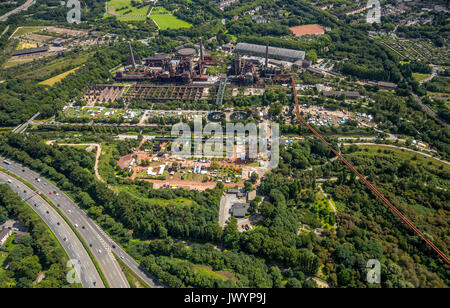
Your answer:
<point x="365" y="181"/>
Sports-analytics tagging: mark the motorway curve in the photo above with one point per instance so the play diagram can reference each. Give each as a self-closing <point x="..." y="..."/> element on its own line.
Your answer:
<point x="23" y="7"/>
<point x="88" y="274"/>
<point x="102" y="244"/>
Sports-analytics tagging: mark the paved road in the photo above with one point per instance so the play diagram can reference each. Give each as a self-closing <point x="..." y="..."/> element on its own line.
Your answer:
<point x="92" y="234"/>
<point x="86" y="227"/>
<point x="22" y="127"/>
<point x="69" y="241"/>
<point x="23" y="7"/>
<point x="225" y="205"/>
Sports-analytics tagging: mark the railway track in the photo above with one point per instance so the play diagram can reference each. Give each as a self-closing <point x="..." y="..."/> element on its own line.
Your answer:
<point x="365" y="181"/>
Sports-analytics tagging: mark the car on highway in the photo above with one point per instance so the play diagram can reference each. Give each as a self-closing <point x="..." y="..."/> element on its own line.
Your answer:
<point x="47" y="212"/>
<point x="76" y="225"/>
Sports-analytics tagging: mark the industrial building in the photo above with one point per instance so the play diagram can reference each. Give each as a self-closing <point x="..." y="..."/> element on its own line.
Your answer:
<point x="180" y="67"/>
<point x="284" y="54"/>
<point x="347" y="94"/>
<point x="29" y="51"/>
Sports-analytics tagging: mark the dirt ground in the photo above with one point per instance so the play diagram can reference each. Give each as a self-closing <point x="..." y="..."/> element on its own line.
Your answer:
<point x="77" y="33"/>
<point x="307" y="29"/>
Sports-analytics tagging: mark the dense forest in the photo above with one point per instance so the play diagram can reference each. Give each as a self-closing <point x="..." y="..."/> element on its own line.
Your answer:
<point x="365" y="227"/>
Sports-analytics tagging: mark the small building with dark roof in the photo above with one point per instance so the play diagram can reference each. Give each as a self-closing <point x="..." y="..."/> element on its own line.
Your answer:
<point x="347" y="94"/>
<point x="239" y="210"/>
<point x="387" y="85"/>
<point x="29" y="51"/>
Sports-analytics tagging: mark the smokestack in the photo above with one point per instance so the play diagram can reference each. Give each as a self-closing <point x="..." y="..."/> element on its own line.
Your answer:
<point x="267" y="54"/>
<point x="133" y="62"/>
<point x="201" y="49"/>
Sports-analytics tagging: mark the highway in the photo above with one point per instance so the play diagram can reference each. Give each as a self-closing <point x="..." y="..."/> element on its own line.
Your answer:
<point x="22" y="127"/>
<point x="23" y="7"/>
<point x="102" y="244"/>
<point x="88" y="274"/>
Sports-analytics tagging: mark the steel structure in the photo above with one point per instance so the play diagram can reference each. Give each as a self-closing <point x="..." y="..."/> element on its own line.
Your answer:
<point x="362" y="178"/>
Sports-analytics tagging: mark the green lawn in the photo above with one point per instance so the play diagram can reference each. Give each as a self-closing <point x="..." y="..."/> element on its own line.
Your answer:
<point x="404" y="155"/>
<point x="420" y="77"/>
<point x="165" y="20"/>
<point x="124" y="11"/>
<point x="56" y="66"/>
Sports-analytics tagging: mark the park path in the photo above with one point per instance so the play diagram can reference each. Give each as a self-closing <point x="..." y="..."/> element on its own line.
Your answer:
<point x="97" y="155"/>
<point x="400" y="148"/>
<point x="428" y="110"/>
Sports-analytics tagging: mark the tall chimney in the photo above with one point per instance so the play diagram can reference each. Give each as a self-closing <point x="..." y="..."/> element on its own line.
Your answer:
<point x="267" y="54"/>
<point x="201" y="49"/>
<point x="131" y="55"/>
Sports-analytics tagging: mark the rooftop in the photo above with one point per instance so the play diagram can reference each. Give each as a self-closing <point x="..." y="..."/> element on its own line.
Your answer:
<point x="240" y="209"/>
<point x="273" y="51"/>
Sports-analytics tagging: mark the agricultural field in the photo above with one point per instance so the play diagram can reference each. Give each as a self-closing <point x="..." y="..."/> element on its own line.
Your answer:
<point x="124" y="10"/>
<point x="416" y="50"/>
<point x="50" y="82"/>
<point x="24" y="30"/>
<point x="165" y="20"/>
<point x="54" y="67"/>
<point x="11" y="64"/>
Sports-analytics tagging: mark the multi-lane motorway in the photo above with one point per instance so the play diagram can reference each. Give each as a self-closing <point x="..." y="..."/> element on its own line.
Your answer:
<point x="88" y="274"/>
<point x="101" y="244"/>
<point x="23" y="7"/>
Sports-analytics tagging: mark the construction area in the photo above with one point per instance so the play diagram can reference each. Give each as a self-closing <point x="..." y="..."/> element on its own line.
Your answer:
<point x="154" y="162"/>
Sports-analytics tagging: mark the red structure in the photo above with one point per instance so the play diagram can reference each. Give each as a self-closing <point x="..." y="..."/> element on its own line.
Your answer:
<point x="362" y="178"/>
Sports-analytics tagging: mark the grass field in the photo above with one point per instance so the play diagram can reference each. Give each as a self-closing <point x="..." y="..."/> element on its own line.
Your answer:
<point x="420" y="77"/>
<point x="124" y="11"/>
<point x="165" y="20"/>
<point x="10" y="64"/>
<point x="24" y="30"/>
<point x="52" y="67"/>
<point x="404" y="155"/>
<point x="57" y="78"/>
